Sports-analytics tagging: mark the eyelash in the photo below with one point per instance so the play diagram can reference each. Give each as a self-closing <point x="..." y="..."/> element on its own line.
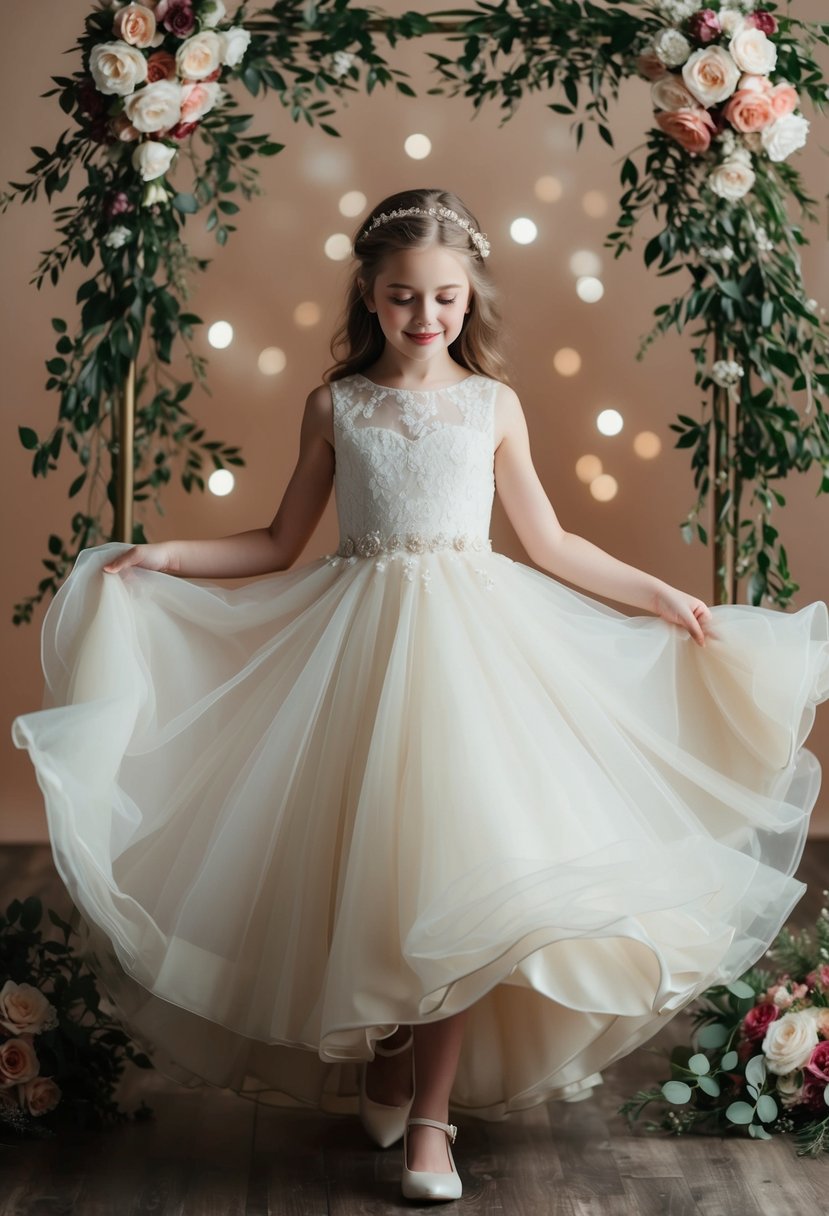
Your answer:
<point x="452" y="301"/>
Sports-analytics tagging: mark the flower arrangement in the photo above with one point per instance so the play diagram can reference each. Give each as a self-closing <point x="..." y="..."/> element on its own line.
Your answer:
<point x="712" y="89"/>
<point x="61" y="1055"/>
<point x="155" y="77"/>
<point x="761" y="1057"/>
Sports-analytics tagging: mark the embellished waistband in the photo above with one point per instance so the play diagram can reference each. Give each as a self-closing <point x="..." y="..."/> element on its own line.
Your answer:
<point x="370" y="544"/>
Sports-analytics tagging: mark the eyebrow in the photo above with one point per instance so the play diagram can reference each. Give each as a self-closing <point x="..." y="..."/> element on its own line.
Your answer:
<point x="409" y="287"/>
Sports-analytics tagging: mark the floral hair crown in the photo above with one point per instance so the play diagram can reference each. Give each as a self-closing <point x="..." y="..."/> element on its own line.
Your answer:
<point x="444" y="213"/>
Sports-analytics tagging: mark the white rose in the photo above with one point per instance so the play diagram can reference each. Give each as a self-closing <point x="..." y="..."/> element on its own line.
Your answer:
<point x="711" y="74"/>
<point x="235" y="42"/>
<point x="199" y="55"/>
<point x="117" y="236"/>
<point x="117" y="67"/>
<point x="211" y="13"/>
<point x="152" y="158"/>
<point x="732" y="179"/>
<point x="785" y="136"/>
<point x="789" y="1041"/>
<point x="752" y="51"/>
<point x="155" y="107"/>
<point x="731" y="21"/>
<point x="154" y="192"/>
<point x="671" y="48"/>
<point x="669" y="93"/>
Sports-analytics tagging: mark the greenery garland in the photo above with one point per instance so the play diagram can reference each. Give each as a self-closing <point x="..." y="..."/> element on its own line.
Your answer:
<point x="760" y="340"/>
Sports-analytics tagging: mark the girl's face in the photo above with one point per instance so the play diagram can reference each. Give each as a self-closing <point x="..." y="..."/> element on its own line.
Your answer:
<point x="421" y="291"/>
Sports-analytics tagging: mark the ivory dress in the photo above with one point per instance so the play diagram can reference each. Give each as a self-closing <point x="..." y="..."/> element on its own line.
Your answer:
<point x="415" y="776"/>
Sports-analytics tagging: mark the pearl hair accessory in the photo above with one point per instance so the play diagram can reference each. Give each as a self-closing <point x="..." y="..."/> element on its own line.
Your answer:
<point x="444" y="213"/>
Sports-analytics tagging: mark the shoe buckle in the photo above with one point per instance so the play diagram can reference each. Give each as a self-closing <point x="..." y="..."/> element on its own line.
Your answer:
<point x="453" y="1131"/>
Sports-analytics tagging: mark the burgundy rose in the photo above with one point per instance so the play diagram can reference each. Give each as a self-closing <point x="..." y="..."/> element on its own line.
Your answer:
<point x="118" y="204"/>
<point x="91" y="101"/>
<point x="756" y="1021"/>
<point x="177" y="16"/>
<point x="813" y="1093"/>
<point x="182" y="129"/>
<point x="817" y="1065"/>
<point x="705" y="26"/>
<point x="766" y="22"/>
<point x="161" y="65"/>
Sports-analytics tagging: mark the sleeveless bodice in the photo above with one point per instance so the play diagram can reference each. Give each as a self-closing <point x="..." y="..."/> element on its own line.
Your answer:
<point x="414" y="468"/>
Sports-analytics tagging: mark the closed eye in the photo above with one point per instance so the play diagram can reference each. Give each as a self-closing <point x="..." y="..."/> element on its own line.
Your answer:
<point x="394" y="301"/>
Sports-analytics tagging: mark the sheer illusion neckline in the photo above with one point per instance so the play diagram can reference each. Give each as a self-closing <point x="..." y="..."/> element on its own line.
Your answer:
<point x="417" y="391"/>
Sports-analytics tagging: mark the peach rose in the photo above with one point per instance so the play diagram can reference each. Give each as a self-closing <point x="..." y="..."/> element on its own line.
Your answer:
<point x="690" y="128"/>
<point x="711" y="74"/>
<point x="784" y="98"/>
<point x="749" y="110"/>
<point x="197" y="99"/>
<point x="135" y="24"/>
<point x="39" y="1095"/>
<point x="670" y="93"/>
<point x="25" y="1010"/>
<point x="161" y="65"/>
<point x="200" y="55"/>
<point x="18" y="1062"/>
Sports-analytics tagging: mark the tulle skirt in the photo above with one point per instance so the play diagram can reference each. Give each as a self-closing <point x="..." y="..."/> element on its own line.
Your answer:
<point x="300" y="812"/>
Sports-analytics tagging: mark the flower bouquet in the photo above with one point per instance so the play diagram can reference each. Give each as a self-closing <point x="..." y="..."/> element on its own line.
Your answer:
<point x="61" y="1055"/>
<point x="713" y="86"/>
<point x="760" y="1061"/>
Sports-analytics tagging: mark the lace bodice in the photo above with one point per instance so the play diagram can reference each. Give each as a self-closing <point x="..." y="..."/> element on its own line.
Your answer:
<point x="414" y="468"/>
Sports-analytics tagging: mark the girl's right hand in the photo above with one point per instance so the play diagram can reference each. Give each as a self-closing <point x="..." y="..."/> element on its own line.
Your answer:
<point x="150" y="557"/>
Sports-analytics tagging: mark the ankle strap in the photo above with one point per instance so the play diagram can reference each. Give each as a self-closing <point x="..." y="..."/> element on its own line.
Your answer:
<point x="449" y="1128"/>
<point x="394" y="1051"/>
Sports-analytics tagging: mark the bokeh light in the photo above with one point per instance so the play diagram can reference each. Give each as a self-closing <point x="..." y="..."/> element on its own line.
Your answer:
<point x="221" y="482"/>
<point x="523" y="231"/>
<point x="589" y="289"/>
<point x="604" y="487"/>
<point x="338" y="247"/>
<point x="417" y="146"/>
<point x="548" y="188"/>
<point x="353" y="203"/>
<point x="567" y="361"/>
<point x="595" y="203"/>
<point x="585" y="262"/>
<point x="647" y="445"/>
<point x="609" y="422"/>
<point x="588" y="468"/>
<point x="220" y="334"/>
<point x="307" y="313"/>
<point x="271" y="361"/>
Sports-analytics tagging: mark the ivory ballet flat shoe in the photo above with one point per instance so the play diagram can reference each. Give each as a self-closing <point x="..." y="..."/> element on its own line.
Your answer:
<point x="425" y="1184"/>
<point x="385" y="1124"/>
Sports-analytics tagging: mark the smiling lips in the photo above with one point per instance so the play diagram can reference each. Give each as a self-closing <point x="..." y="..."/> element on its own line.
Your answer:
<point x="423" y="338"/>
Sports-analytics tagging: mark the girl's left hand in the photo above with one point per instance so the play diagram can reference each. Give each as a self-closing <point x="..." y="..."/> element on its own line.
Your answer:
<point x="678" y="608"/>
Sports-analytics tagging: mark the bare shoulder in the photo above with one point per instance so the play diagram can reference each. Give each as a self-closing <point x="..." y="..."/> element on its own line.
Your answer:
<point x="319" y="412"/>
<point x="508" y="412"/>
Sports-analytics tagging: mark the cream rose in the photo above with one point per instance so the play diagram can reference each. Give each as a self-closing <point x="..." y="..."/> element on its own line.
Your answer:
<point x="25" y="1010"/>
<point x="789" y="1040"/>
<point x="235" y="42"/>
<point x="671" y="48"/>
<point x="39" y="1095"/>
<point x="152" y="158"/>
<point x="732" y="179"/>
<point x="670" y="93"/>
<point x="752" y="51"/>
<point x="155" y="107"/>
<point x="117" y="67"/>
<point x="18" y="1062"/>
<point x="711" y="74"/>
<point x="200" y="55"/>
<point x="135" y="24"/>
<point x="785" y="136"/>
<point x="198" y="98"/>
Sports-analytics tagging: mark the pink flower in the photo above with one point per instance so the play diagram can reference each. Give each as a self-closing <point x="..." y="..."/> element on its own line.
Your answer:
<point x="177" y="16"/>
<point x="161" y="65"/>
<point x="750" y="110"/>
<point x="119" y="204"/>
<point x="756" y="1021"/>
<point x="766" y="22"/>
<point x="18" y="1062"/>
<point x="692" y="129"/>
<point x="197" y="99"/>
<point x="705" y="26"/>
<point x="39" y="1095"/>
<point x="813" y="1093"/>
<point x="181" y="130"/>
<point x="817" y="1065"/>
<point x="785" y="100"/>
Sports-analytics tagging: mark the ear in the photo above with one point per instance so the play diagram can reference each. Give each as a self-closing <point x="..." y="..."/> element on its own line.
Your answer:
<point x="367" y="300"/>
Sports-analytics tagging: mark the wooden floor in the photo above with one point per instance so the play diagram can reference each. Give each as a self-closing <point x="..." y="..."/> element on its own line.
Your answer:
<point x="210" y="1153"/>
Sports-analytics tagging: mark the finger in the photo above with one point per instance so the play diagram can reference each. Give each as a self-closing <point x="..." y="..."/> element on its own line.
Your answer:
<point x="695" y="630"/>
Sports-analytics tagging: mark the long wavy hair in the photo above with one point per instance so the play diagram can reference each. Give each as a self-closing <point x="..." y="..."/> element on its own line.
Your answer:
<point x="358" y="340"/>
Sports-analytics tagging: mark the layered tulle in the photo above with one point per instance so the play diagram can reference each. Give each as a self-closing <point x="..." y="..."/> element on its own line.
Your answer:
<point x="300" y="812"/>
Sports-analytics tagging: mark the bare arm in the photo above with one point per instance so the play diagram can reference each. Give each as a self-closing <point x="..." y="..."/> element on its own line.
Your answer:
<point x="259" y="550"/>
<point x="566" y="554"/>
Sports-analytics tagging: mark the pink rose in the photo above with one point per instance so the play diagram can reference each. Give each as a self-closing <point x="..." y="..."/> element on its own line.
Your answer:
<point x="650" y="66"/>
<point x="756" y="1021"/>
<point x="135" y="24"/>
<point x="785" y="100"/>
<point x="197" y="99"/>
<point x="18" y="1062"/>
<point x="39" y="1095"/>
<point x="692" y="129"/>
<point x="705" y="26"/>
<point x="750" y="110"/>
<point x="817" y="1065"/>
<point x="25" y="1010"/>
<point x="766" y="22"/>
<point x="161" y="65"/>
<point x="177" y="16"/>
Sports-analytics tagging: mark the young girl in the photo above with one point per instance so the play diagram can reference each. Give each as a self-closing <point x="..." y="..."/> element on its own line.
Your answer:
<point x="415" y="826"/>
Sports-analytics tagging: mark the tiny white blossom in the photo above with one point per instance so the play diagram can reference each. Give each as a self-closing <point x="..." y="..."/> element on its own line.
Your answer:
<point x="671" y="48"/>
<point x="117" y="236"/>
<point x="341" y="63"/>
<point x="677" y="10"/>
<point x="726" y="372"/>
